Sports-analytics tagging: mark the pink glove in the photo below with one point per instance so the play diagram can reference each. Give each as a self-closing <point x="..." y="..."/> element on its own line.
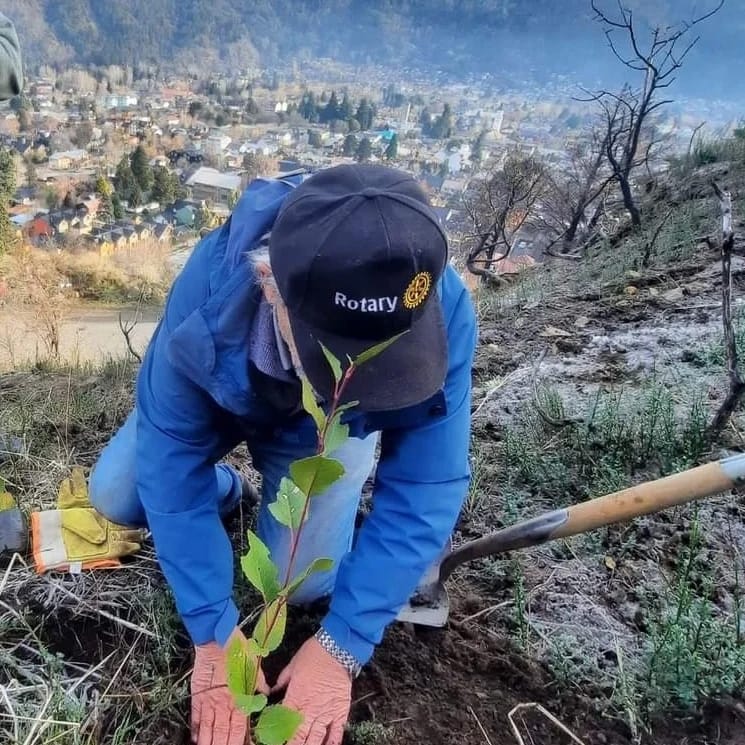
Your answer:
<point x="214" y="718"/>
<point x="321" y="690"/>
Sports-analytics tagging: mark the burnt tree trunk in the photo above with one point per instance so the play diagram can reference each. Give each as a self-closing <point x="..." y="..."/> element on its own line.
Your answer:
<point x="736" y="384"/>
<point x="628" y="201"/>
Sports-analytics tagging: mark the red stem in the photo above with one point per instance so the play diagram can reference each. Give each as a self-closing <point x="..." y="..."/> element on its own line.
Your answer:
<point x="338" y="391"/>
<point x="295" y="535"/>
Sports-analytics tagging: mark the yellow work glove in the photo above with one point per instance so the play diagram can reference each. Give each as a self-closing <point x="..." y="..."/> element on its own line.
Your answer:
<point x="75" y="536"/>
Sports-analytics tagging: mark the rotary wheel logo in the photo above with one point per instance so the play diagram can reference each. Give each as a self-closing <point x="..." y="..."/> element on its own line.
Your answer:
<point x="417" y="290"/>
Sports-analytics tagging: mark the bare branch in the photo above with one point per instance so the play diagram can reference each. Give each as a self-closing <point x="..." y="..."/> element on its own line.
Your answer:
<point x="128" y="327"/>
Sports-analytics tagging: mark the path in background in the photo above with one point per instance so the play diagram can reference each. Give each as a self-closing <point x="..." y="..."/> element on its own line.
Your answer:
<point x="87" y="334"/>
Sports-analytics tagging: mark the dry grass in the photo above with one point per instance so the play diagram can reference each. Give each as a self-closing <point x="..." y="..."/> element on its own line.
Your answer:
<point x="56" y="276"/>
<point x="99" y="657"/>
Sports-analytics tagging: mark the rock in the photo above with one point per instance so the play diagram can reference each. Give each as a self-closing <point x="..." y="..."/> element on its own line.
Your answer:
<point x="631" y="291"/>
<point x="552" y="332"/>
<point x="573" y="346"/>
<point x="673" y="295"/>
<point x="581" y="321"/>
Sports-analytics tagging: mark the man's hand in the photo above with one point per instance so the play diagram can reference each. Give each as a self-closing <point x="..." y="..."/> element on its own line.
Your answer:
<point x="321" y="690"/>
<point x="214" y="718"/>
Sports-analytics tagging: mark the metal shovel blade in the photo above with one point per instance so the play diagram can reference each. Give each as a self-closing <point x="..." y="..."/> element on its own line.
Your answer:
<point x="429" y="605"/>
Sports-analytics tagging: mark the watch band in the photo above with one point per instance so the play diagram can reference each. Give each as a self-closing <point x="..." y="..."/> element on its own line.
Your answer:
<point x="347" y="660"/>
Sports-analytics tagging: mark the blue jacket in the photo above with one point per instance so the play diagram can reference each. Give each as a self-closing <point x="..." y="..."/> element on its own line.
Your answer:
<point x="192" y="390"/>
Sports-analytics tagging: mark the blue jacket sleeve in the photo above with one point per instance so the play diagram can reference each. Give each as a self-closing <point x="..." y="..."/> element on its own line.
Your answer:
<point x="421" y="482"/>
<point x="178" y="444"/>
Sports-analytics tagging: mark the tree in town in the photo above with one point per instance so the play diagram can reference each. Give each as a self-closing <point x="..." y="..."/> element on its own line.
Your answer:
<point x="350" y="145"/>
<point x="83" y="135"/>
<point x="393" y="97"/>
<point x="69" y="201"/>
<point x="345" y="109"/>
<point x="365" y="114"/>
<point x="364" y="150"/>
<point x="308" y="108"/>
<point x="391" y="152"/>
<point x="499" y="207"/>
<point x="195" y="108"/>
<point x="22" y="108"/>
<point x="425" y="121"/>
<point x="30" y="167"/>
<point x="24" y="119"/>
<point x="7" y="190"/>
<point x="477" y="148"/>
<point x="105" y="208"/>
<point x="165" y="186"/>
<point x="332" y="110"/>
<point x="51" y="198"/>
<point x="117" y="209"/>
<point x="629" y="116"/>
<point x="255" y="165"/>
<point x="141" y="169"/>
<point x="442" y="128"/>
<point x="314" y="138"/>
<point x="103" y="187"/>
<point x="125" y="181"/>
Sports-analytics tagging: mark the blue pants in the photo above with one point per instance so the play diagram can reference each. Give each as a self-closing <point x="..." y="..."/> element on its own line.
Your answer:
<point x="330" y="527"/>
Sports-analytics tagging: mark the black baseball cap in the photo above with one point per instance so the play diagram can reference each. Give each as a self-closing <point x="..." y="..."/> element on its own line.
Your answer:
<point x="357" y="252"/>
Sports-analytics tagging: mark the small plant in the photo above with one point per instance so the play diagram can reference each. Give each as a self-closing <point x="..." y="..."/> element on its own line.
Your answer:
<point x="571" y="460"/>
<point x="521" y="602"/>
<point x="308" y="478"/>
<point x="696" y="651"/>
<point x="369" y="733"/>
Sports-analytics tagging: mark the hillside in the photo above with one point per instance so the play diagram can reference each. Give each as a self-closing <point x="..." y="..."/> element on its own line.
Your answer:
<point x="590" y="376"/>
<point x="495" y="36"/>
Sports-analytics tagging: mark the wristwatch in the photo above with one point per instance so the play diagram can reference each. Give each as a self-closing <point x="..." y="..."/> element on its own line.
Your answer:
<point x="344" y="658"/>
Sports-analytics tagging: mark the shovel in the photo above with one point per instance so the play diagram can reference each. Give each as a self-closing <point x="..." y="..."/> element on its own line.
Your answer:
<point x="429" y="605"/>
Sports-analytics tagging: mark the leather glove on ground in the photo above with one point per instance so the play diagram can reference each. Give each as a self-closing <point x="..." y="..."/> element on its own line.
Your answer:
<point x="319" y="688"/>
<point x="13" y="533"/>
<point x="75" y="536"/>
<point x="215" y="720"/>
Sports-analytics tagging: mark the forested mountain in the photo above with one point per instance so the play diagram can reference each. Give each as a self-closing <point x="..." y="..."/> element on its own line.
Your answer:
<point x="459" y="36"/>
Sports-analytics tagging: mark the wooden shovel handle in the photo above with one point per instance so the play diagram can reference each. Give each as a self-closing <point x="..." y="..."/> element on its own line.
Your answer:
<point x="621" y="506"/>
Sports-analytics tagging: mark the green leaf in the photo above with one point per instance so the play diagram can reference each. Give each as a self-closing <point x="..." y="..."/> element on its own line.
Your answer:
<point x="318" y="565"/>
<point x="270" y="628"/>
<point x="259" y="568"/>
<point x="288" y="509"/>
<point x="368" y="354"/>
<point x="341" y="409"/>
<point x="334" y="363"/>
<point x="250" y="704"/>
<point x="277" y="725"/>
<point x="315" y="474"/>
<point x="241" y="665"/>
<point x="336" y="435"/>
<point x="311" y="405"/>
